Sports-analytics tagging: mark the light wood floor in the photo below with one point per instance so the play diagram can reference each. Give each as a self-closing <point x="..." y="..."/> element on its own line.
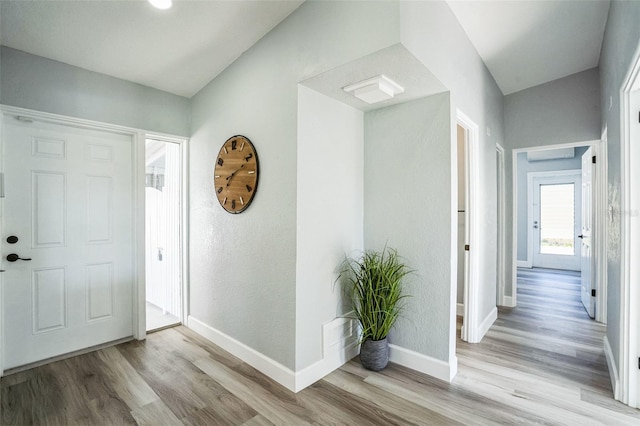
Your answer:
<point x="156" y="319"/>
<point x="540" y="363"/>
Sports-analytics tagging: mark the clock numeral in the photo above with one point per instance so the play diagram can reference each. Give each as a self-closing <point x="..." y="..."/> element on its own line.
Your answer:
<point x="233" y="144"/>
<point x="220" y="161"/>
<point x="248" y="157"/>
<point x="224" y="202"/>
<point x="249" y="189"/>
<point x="233" y="204"/>
<point x="219" y="190"/>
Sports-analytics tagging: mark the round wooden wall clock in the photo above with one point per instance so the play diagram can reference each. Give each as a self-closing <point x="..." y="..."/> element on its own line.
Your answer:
<point x="236" y="174"/>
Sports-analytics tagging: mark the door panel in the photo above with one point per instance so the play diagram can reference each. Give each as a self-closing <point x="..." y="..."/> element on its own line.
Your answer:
<point x="68" y="199"/>
<point x="556" y="205"/>
<point x="588" y="300"/>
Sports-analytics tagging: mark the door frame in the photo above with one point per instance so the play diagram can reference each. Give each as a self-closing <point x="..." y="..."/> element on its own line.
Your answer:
<point x="531" y="176"/>
<point x="138" y="172"/>
<point x="471" y="323"/>
<point x="501" y="215"/>
<point x="184" y="216"/>
<point x="599" y="215"/>
<point x="628" y="388"/>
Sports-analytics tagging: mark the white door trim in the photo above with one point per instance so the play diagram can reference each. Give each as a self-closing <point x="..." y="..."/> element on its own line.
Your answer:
<point x="531" y="176"/>
<point x="629" y="240"/>
<point x="471" y="323"/>
<point x="598" y="211"/>
<point x="137" y="138"/>
<point x="501" y="215"/>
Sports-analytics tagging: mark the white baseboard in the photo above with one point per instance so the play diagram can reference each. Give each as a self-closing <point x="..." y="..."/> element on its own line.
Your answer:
<point x="340" y="344"/>
<point x="486" y="324"/>
<point x="523" y="264"/>
<point x="278" y="372"/>
<point x="508" y="302"/>
<point x="425" y="364"/>
<point x="459" y="309"/>
<point x="613" y="370"/>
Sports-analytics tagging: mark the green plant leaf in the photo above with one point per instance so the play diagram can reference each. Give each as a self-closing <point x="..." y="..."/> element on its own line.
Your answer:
<point x="373" y="286"/>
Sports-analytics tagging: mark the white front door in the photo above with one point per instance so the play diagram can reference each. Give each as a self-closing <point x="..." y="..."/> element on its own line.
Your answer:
<point x="588" y="300"/>
<point x="556" y="205"/>
<point x="68" y="200"/>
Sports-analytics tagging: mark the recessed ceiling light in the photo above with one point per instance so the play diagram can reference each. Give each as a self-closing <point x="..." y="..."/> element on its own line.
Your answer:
<point x="375" y="89"/>
<point x="161" y="4"/>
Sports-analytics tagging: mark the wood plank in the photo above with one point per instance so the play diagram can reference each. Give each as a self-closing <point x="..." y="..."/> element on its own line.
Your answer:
<point x="540" y="363"/>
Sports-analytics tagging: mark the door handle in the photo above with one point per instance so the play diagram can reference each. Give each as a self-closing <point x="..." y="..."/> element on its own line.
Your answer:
<point x="13" y="257"/>
<point x="581" y="236"/>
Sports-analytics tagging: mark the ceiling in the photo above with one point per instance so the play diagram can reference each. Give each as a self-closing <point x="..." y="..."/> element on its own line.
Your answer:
<point x="394" y="62"/>
<point x="177" y="50"/>
<point x="524" y="43"/>
<point x="527" y="43"/>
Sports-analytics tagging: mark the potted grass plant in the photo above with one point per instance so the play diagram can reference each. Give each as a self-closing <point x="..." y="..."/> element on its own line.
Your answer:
<point x="373" y="286"/>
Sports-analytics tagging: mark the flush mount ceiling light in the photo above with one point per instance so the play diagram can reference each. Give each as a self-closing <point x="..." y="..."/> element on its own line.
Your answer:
<point x="161" y="4"/>
<point x="375" y="89"/>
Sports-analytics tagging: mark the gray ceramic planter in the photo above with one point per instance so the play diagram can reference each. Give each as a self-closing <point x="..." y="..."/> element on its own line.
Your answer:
<point x="374" y="354"/>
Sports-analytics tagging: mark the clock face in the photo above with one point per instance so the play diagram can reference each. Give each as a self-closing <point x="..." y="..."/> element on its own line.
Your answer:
<point x="236" y="174"/>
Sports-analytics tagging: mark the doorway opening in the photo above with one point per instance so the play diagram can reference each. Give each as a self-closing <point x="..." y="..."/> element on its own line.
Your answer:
<point x="163" y="234"/>
<point x="556" y="194"/>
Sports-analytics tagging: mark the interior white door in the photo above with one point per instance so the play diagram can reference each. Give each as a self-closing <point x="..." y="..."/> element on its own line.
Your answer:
<point x="68" y="200"/>
<point x="556" y="205"/>
<point x="588" y="300"/>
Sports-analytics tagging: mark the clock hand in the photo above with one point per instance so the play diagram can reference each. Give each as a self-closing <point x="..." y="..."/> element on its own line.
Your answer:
<point x="233" y="174"/>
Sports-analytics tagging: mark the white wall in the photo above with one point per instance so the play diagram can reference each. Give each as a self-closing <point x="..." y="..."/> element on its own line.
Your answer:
<point x="621" y="40"/>
<point x="243" y="267"/>
<point x="407" y="164"/>
<point x="561" y="111"/>
<point x="329" y="212"/>
<point x="431" y="32"/>
<point x="41" y="84"/>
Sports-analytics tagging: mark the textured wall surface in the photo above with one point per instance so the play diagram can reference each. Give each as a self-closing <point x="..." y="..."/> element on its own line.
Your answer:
<point x="619" y="49"/>
<point x="561" y="111"/>
<point x="37" y="83"/>
<point x="431" y="32"/>
<point x="407" y="175"/>
<point x="243" y="267"/>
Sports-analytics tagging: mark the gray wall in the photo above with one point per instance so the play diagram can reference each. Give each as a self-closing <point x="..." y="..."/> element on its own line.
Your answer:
<point x="524" y="167"/>
<point x="561" y="111"/>
<point x="412" y="143"/>
<point x="432" y="33"/>
<point x="243" y="267"/>
<point x="41" y="84"/>
<point x="621" y="39"/>
<point x="235" y="285"/>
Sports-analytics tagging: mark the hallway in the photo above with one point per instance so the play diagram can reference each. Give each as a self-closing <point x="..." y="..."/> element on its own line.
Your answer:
<point x="545" y="356"/>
